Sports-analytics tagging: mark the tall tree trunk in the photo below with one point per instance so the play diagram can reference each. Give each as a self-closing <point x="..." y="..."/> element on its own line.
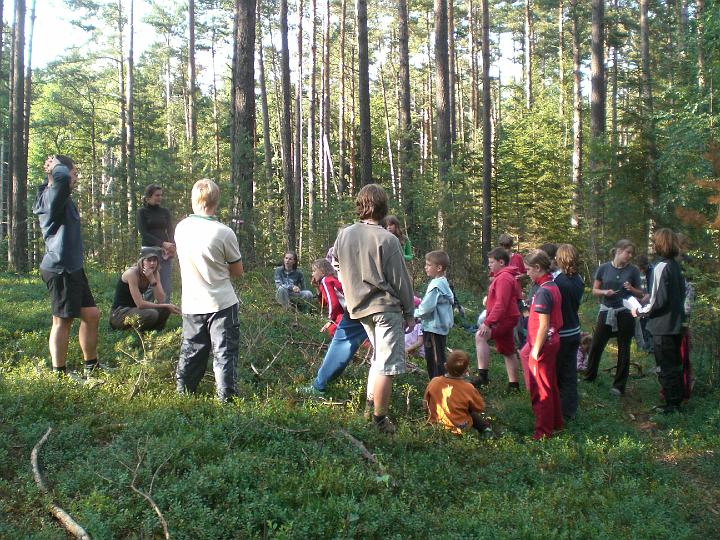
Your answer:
<point x="122" y="190"/>
<point x="442" y="111"/>
<point x="561" y="69"/>
<point x="700" y="29"/>
<point x="528" y="56"/>
<point x="342" y="143"/>
<point x="452" y="71"/>
<point x="168" y="94"/>
<point x="18" y="241"/>
<point x="474" y="94"/>
<point x="8" y="195"/>
<point x="130" y="99"/>
<point x="192" y="88"/>
<point x="216" y="116"/>
<point x="3" y="189"/>
<point x="297" y="154"/>
<point x="352" y="166"/>
<point x="648" y="125"/>
<point x="325" y="137"/>
<point x="388" y="139"/>
<point x="577" y="120"/>
<point x="312" y="116"/>
<point x="243" y="125"/>
<point x="405" y="168"/>
<point x="28" y="77"/>
<point x="487" y="137"/>
<point x="286" y="131"/>
<point x="267" y="145"/>
<point x="597" y="125"/>
<point x="364" y="92"/>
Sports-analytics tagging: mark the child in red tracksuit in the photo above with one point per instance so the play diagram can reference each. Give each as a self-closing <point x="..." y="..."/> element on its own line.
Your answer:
<point x="332" y="299"/>
<point x="501" y="319"/>
<point x="543" y="343"/>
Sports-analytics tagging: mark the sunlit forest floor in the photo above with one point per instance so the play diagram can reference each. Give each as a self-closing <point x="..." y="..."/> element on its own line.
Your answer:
<point x="274" y="465"/>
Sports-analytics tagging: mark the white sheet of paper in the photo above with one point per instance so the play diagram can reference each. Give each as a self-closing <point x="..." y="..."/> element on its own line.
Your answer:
<point x="631" y="303"/>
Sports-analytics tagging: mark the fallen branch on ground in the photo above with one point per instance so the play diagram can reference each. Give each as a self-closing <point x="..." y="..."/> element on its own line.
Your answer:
<point x="147" y="496"/>
<point x="275" y="357"/>
<point x="363" y="450"/>
<point x="61" y="515"/>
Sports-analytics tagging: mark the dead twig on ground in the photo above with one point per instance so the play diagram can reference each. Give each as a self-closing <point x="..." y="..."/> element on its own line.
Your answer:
<point x="147" y="496"/>
<point x="363" y="450"/>
<point x="275" y="357"/>
<point x="61" y="515"/>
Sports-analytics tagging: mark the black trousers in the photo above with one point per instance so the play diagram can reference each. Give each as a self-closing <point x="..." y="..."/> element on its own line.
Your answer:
<point x="601" y="335"/>
<point x="667" y="358"/>
<point x="434" y="353"/>
<point x="566" y="370"/>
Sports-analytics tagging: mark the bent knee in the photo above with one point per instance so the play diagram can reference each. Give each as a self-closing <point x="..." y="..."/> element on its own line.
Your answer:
<point x="90" y="315"/>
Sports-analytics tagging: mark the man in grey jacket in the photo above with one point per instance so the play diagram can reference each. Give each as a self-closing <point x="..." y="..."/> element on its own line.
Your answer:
<point x="379" y="294"/>
<point x="62" y="266"/>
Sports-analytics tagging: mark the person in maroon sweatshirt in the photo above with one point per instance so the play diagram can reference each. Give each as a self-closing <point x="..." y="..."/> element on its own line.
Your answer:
<point x="502" y="317"/>
<point x="539" y="355"/>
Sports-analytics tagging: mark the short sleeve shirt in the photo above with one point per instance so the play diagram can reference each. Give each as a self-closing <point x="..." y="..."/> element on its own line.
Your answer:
<point x="613" y="278"/>
<point x="205" y="249"/>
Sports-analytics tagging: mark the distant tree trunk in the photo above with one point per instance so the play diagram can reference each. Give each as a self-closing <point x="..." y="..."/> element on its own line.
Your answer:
<point x="192" y="88"/>
<point x="442" y="111"/>
<point x="267" y="145"/>
<point x="388" y="139"/>
<point x="325" y="137"/>
<point x="297" y="154"/>
<point x="452" y="71"/>
<point x="18" y="240"/>
<point x="286" y="131"/>
<point x="243" y="122"/>
<point x="364" y="93"/>
<point x="648" y="123"/>
<point x="3" y="189"/>
<point x="122" y="190"/>
<point x="528" y="56"/>
<point x="28" y="77"/>
<point x="700" y="29"/>
<point x="474" y="73"/>
<point x="168" y="94"/>
<point x="405" y="167"/>
<point x="352" y="166"/>
<point x="312" y="116"/>
<point x="216" y="116"/>
<point x="561" y="69"/>
<point x="487" y="138"/>
<point x="577" y="120"/>
<point x="8" y="195"/>
<point x="597" y="124"/>
<point x="342" y="143"/>
<point x="130" y="100"/>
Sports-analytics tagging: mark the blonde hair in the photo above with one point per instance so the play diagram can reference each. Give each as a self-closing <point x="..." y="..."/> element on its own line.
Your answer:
<point x="206" y="194"/>
<point x="567" y="259"/>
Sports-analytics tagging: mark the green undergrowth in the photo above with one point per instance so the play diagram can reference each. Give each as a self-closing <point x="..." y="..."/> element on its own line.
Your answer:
<point x="274" y="465"/>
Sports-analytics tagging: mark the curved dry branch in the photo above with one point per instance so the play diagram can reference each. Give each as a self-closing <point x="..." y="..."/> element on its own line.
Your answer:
<point x="61" y="515"/>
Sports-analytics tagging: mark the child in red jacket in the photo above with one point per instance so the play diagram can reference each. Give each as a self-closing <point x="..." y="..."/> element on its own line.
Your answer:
<point x="332" y="299"/>
<point x="539" y="354"/>
<point x="501" y="319"/>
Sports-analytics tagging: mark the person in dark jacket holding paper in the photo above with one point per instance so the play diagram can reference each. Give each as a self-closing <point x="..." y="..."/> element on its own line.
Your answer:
<point x="666" y="314"/>
<point x="157" y="229"/>
<point x="62" y="266"/>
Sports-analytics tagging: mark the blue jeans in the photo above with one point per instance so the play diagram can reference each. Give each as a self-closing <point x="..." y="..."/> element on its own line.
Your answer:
<point x="219" y="332"/>
<point x="349" y="335"/>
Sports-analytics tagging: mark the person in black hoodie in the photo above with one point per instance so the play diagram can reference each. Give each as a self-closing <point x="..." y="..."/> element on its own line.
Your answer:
<point x="157" y="229"/>
<point x="666" y="314"/>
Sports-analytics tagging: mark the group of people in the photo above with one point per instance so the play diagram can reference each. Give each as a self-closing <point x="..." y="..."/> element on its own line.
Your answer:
<point x="366" y="294"/>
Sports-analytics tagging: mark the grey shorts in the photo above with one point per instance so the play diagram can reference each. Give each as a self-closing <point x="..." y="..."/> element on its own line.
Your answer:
<point x="386" y="334"/>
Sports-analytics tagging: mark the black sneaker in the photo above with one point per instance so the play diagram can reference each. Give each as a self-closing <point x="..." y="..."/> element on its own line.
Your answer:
<point x="386" y="426"/>
<point x="513" y="388"/>
<point x="480" y="380"/>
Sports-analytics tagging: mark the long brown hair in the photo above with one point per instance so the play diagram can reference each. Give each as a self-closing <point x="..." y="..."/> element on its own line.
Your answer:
<point x="568" y="259"/>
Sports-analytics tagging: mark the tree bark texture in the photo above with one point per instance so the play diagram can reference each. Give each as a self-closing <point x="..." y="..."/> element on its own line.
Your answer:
<point x="487" y="136"/>
<point x="17" y="253"/>
<point x="364" y="92"/>
<point x="405" y="166"/>
<point x="243" y="122"/>
<point x="576" y="210"/>
<point x="286" y="131"/>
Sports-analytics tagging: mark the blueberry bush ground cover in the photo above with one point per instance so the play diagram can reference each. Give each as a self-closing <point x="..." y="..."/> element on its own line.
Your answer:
<point x="274" y="465"/>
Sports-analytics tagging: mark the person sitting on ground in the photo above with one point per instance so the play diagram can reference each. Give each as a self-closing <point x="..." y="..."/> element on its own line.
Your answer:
<point x="130" y="302"/>
<point x="290" y="282"/>
<point x="436" y="312"/>
<point x="392" y="224"/>
<point x="501" y="318"/>
<point x="332" y="299"/>
<point x="452" y="401"/>
<point x="584" y="351"/>
<point x="414" y="344"/>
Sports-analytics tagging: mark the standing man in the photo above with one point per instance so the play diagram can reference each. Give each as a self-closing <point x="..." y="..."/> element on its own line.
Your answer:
<point x="62" y="266"/>
<point x="379" y="294"/>
<point x="209" y="256"/>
